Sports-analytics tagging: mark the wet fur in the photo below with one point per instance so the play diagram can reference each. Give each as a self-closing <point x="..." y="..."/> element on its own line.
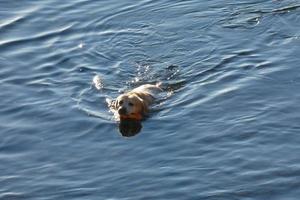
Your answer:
<point x="137" y="101"/>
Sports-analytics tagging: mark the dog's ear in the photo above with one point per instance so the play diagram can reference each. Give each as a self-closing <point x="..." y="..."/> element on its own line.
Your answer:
<point x="145" y="107"/>
<point x="144" y="104"/>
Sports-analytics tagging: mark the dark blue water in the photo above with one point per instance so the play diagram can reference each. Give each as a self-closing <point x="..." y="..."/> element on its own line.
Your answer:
<point x="228" y="127"/>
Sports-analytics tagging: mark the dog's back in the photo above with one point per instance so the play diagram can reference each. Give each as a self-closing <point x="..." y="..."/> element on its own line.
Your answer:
<point x="150" y="89"/>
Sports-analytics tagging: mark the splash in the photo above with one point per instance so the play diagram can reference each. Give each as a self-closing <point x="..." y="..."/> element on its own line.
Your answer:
<point x="97" y="81"/>
<point x="110" y="103"/>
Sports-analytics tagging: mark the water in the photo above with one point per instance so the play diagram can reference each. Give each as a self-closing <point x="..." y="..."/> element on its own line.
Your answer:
<point x="228" y="127"/>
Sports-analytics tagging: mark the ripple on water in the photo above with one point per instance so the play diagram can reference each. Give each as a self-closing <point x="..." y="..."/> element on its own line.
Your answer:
<point x="225" y="128"/>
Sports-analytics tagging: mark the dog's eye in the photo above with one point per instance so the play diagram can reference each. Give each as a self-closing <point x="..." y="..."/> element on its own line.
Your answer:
<point x="130" y="104"/>
<point x="120" y="102"/>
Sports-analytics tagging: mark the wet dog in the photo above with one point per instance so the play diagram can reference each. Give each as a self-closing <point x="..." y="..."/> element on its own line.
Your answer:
<point x="135" y="103"/>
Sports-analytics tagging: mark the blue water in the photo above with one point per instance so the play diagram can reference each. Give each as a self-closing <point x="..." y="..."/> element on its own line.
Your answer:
<point x="228" y="127"/>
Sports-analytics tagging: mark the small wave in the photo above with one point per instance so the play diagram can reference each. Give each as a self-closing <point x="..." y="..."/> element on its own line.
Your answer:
<point x="40" y="37"/>
<point x="21" y="18"/>
<point x="286" y="9"/>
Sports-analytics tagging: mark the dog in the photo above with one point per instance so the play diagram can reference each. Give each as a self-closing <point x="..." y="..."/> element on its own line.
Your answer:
<point x="135" y="103"/>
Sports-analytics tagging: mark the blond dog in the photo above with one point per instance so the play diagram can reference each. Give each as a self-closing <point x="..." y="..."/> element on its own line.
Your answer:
<point x="135" y="103"/>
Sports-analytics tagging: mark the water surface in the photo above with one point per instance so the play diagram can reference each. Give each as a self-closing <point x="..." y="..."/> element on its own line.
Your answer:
<point x="228" y="127"/>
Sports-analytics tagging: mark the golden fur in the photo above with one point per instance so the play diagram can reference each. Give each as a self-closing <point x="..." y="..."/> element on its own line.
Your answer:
<point x="137" y="101"/>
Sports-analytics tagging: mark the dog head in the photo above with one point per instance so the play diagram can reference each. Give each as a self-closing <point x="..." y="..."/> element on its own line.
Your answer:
<point x="131" y="104"/>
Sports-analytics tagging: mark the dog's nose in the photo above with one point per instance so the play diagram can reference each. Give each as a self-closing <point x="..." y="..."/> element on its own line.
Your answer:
<point x="122" y="111"/>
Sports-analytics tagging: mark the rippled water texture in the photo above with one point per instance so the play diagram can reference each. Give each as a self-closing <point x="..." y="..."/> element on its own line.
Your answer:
<point x="227" y="127"/>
